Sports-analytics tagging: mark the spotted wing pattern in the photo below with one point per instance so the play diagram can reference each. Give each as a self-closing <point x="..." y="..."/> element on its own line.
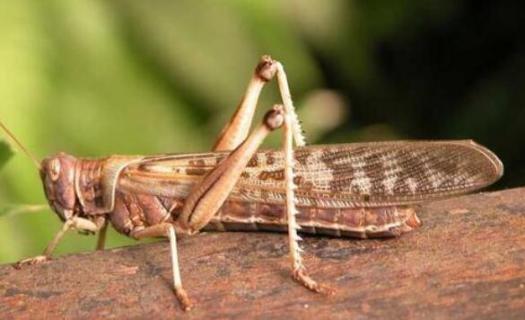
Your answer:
<point x="344" y="175"/>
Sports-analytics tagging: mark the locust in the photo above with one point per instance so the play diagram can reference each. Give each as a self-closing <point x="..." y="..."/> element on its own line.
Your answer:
<point x="357" y="190"/>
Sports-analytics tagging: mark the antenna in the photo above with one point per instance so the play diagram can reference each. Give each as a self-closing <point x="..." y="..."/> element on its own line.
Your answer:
<point x="20" y="145"/>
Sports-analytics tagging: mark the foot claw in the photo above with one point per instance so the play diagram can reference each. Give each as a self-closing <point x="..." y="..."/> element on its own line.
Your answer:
<point x="30" y="261"/>
<point x="304" y="279"/>
<point x="183" y="299"/>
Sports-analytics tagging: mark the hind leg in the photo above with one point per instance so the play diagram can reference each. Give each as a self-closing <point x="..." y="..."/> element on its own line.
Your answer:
<point x="238" y="128"/>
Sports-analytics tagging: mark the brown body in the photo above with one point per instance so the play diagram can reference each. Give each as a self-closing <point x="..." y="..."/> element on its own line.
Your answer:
<point x="357" y="190"/>
<point x="137" y="192"/>
<point x="134" y="212"/>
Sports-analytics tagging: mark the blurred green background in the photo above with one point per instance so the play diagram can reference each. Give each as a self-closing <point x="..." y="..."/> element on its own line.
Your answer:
<point x="94" y="78"/>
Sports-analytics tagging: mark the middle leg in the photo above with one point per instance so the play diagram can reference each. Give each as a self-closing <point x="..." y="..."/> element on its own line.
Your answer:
<point x="167" y="230"/>
<point x="101" y="240"/>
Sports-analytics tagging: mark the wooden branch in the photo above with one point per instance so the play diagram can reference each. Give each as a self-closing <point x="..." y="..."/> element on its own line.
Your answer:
<point x="467" y="261"/>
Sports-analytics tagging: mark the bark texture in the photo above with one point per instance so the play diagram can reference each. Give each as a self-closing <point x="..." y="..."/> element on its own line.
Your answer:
<point x="466" y="261"/>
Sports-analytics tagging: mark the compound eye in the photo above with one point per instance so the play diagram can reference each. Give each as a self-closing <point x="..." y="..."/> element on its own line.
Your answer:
<point x="54" y="169"/>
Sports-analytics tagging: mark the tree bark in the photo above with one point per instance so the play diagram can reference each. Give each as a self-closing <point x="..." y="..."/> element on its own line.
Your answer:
<point x="466" y="261"/>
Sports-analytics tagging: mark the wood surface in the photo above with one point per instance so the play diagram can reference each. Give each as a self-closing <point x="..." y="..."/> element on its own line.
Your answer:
<point x="466" y="261"/>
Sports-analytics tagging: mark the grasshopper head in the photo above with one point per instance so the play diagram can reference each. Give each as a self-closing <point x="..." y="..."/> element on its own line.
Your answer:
<point x="58" y="176"/>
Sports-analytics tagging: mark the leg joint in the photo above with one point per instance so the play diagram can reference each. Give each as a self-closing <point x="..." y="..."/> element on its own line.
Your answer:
<point x="266" y="68"/>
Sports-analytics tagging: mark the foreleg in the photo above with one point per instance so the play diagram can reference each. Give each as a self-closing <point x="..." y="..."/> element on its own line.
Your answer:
<point x="73" y="223"/>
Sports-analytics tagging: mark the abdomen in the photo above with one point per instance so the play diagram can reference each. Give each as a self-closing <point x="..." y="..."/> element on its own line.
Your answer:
<point x="340" y="222"/>
<point x="135" y="211"/>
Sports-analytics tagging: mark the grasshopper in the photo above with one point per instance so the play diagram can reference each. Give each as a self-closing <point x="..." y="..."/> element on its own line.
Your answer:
<point x="360" y="190"/>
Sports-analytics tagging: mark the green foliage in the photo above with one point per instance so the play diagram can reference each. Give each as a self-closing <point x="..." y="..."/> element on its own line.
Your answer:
<point x="5" y="153"/>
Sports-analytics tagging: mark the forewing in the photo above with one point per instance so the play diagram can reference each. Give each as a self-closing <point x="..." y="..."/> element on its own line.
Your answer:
<point x="374" y="174"/>
<point x="344" y="175"/>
